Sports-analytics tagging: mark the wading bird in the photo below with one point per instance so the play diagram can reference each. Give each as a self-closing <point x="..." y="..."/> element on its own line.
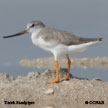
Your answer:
<point x="58" y="42"/>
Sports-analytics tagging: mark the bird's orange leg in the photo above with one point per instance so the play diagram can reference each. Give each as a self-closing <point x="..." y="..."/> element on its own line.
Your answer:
<point x="57" y="75"/>
<point x="69" y="65"/>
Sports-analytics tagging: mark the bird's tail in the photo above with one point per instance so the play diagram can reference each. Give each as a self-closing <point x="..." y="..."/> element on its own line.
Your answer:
<point x="91" y="39"/>
<point x="100" y="39"/>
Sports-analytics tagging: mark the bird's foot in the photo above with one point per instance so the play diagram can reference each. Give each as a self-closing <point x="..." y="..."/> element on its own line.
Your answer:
<point x="64" y="79"/>
<point x="51" y="82"/>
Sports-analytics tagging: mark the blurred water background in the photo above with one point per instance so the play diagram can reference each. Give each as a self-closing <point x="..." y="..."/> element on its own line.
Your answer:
<point x="82" y="17"/>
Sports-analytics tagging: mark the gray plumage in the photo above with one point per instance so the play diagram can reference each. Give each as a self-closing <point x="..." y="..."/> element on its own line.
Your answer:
<point x="66" y="38"/>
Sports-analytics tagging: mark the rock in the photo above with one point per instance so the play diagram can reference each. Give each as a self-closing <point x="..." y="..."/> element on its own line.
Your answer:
<point x="98" y="79"/>
<point x="5" y="78"/>
<point x="33" y="75"/>
<point x="51" y="74"/>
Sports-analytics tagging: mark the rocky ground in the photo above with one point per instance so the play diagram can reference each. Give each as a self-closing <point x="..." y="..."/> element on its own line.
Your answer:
<point x="67" y="94"/>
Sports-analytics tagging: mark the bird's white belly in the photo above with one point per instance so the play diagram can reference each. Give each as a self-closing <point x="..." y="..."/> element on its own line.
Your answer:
<point x="42" y="43"/>
<point x="51" y="46"/>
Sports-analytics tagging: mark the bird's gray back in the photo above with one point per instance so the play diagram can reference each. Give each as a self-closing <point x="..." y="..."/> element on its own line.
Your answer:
<point x="62" y="37"/>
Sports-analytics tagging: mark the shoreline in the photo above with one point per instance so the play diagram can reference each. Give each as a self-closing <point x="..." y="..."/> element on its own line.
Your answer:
<point x="98" y="62"/>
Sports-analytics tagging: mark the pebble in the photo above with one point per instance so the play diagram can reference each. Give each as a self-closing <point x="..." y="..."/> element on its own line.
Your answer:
<point x="98" y="79"/>
<point x="49" y="91"/>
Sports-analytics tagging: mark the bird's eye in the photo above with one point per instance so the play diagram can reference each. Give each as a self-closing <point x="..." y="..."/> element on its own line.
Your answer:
<point x="32" y="25"/>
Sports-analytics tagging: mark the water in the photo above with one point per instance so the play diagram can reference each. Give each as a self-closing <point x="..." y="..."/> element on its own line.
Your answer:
<point x="89" y="73"/>
<point x="18" y="70"/>
<point x="85" y="18"/>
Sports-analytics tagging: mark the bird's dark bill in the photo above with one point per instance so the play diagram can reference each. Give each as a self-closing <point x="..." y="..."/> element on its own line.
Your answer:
<point x="17" y="34"/>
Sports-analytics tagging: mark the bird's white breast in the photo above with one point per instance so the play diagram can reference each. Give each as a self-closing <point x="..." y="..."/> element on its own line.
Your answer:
<point x="39" y="41"/>
<point x="34" y="37"/>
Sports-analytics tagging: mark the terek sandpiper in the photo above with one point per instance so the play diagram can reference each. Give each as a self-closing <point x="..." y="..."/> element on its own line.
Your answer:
<point x="58" y="42"/>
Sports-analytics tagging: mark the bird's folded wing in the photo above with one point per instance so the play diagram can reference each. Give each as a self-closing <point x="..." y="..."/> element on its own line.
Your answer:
<point x="62" y="37"/>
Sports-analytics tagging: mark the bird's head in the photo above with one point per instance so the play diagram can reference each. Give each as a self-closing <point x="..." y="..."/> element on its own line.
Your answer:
<point x="31" y="27"/>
